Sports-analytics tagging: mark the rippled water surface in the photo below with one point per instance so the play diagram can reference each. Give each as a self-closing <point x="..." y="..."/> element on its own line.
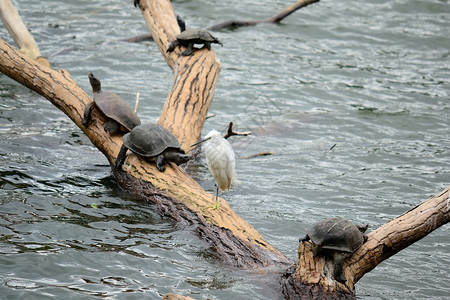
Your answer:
<point x="352" y="97"/>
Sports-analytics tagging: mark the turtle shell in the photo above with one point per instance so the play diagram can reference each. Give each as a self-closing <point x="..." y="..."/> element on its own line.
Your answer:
<point x="150" y="140"/>
<point x="117" y="109"/>
<point x="113" y="106"/>
<point x="196" y="34"/>
<point x="336" y="234"/>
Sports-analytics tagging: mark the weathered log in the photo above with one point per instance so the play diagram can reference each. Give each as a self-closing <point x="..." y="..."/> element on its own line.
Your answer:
<point x="313" y="275"/>
<point x="19" y="32"/>
<point x="184" y="113"/>
<point x="180" y="197"/>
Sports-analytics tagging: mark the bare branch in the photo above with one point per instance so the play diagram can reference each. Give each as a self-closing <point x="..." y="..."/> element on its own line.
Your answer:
<point x="19" y="32"/>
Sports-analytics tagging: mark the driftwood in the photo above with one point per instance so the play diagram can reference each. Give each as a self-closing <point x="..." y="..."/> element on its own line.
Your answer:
<point x="19" y="32"/>
<point x="175" y="193"/>
<point x="178" y="196"/>
<point x="231" y="132"/>
<point x="312" y="275"/>
<point x="232" y="24"/>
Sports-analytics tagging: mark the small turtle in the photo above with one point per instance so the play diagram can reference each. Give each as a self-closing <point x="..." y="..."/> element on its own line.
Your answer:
<point x="192" y="36"/>
<point x="121" y="117"/>
<point x="334" y="237"/>
<point x="154" y="142"/>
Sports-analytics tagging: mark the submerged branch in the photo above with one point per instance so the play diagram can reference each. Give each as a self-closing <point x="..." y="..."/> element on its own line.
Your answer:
<point x="231" y="132"/>
<point x="231" y="24"/>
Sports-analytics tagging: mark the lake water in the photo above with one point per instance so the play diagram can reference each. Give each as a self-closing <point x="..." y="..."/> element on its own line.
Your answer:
<point x="352" y="97"/>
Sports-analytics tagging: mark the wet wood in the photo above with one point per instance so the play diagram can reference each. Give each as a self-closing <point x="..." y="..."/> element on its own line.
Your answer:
<point x="19" y="32"/>
<point x="311" y="277"/>
<point x="231" y="24"/>
<point x="176" y="297"/>
<point x="182" y="199"/>
<point x="62" y="91"/>
<point x="231" y="132"/>
<point x="195" y="76"/>
<point x="234" y="240"/>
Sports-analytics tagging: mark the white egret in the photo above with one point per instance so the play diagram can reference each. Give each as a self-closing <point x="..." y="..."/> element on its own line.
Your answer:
<point x="221" y="162"/>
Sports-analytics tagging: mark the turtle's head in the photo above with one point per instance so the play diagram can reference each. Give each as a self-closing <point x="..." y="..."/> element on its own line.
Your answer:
<point x="218" y="42"/>
<point x="178" y="157"/>
<point x="95" y="83"/>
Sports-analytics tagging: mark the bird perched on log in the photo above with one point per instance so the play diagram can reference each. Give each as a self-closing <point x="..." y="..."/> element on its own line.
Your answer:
<point x="221" y="162"/>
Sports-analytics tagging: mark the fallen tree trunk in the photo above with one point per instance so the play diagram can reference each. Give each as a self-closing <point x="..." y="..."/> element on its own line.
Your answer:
<point x="19" y="32"/>
<point x="313" y="275"/>
<point x="178" y="196"/>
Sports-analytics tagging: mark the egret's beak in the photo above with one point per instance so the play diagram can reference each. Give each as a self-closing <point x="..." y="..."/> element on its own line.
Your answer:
<point x="202" y="141"/>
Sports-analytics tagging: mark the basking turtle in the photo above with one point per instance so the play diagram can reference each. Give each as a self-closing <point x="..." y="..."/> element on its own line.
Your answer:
<point x="334" y="237"/>
<point x="192" y="36"/>
<point x="154" y="142"/>
<point x="121" y="118"/>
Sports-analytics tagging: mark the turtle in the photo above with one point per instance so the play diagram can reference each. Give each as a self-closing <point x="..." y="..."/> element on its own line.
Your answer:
<point x="192" y="36"/>
<point x="154" y="142"/>
<point x="121" y="117"/>
<point x="334" y="238"/>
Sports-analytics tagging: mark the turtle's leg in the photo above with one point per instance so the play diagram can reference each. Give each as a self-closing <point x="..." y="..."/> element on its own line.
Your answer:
<point x="112" y="127"/>
<point x="317" y="250"/>
<point x="189" y="50"/>
<point x="87" y="114"/>
<point x="207" y="45"/>
<point x="161" y="163"/>
<point x="172" y="46"/>
<point x="121" y="157"/>
<point x="337" y="273"/>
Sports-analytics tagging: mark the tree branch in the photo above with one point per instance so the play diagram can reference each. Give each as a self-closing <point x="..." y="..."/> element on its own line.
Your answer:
<point x="313" y="275"/>
<point x="231" y="24"/>
<point x="399" y="233"/>
<point x="19" y="32"/>
<point x="175" y="193"/>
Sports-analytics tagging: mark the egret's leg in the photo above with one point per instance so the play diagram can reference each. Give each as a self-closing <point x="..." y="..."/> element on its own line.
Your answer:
<point x="216" y="205"/>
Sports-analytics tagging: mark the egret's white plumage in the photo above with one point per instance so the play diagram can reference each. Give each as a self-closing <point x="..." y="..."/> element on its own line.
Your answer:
<point x="220" y="160"/>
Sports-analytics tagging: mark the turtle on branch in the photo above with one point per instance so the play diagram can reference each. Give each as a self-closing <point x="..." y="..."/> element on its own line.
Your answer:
<point x="177" y="195"/>
<point x="192" y="36"/>
<point x="120" y="116"/>
<point x="153" y="142"/>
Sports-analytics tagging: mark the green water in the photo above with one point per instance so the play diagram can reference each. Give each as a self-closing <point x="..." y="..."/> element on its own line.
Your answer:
<point x="370" y="78"/>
